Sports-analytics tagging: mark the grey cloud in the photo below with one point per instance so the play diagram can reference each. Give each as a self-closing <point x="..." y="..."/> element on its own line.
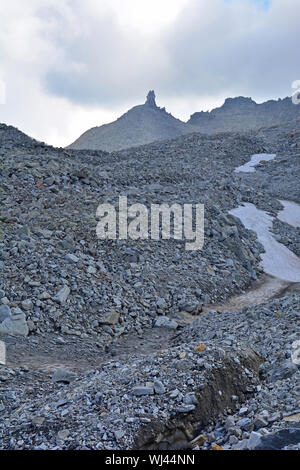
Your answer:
<point x="100" y="63"/>
<point x="213" y="48"/>
<point x="235" y="50"/>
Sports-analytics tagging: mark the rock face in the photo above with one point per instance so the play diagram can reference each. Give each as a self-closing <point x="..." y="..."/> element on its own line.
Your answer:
<point x="150" y="101"/>
<point x="140" y="125"/>
<point x="242" y="114"/>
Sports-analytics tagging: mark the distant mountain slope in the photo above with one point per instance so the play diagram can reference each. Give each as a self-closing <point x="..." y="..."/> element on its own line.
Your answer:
<point x="242" y="114"/>
<point x="11" y="136"/>
<point x="140" y="125"/>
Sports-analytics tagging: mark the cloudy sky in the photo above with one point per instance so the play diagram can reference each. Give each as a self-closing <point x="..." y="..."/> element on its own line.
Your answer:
<point x="68" y="65"/>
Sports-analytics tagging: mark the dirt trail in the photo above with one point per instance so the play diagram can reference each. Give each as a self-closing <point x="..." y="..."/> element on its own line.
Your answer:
<point x="48" y="354"/>
<point x="260" y="292"/>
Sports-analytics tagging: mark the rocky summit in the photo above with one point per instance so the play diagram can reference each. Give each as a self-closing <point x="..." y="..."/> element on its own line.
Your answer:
<point x="140" y="125"/>
<point x="142" y="344"/>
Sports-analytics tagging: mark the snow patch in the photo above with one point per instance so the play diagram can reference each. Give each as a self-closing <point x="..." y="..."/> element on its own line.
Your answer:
<point x="277" y="260"/>
<point x="249" y="167"/>
<point x="290" y="214"/>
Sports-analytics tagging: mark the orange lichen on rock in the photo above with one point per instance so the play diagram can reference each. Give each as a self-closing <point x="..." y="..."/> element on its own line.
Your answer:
<point x="201" y="347"/>
<point x="216" y="447"/>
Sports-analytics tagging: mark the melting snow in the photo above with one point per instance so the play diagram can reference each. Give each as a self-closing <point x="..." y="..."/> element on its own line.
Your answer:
<point x="290" y="214"/>
<point x="255" y="160"/>
<point x="277" y="260"/>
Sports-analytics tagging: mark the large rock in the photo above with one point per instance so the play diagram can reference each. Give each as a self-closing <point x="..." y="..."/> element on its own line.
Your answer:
<point x="295" y="354"/>
<point x="282" y="371"/>
<point x="2" y="353"/>
<point x="140" y="390"/>
<point x="5" y="312"/>
<point x="109" y="318"/>
<point x="15" y="325"/>
<point x="150" y="101"/>
<point x="254" y="440"/>
<point x="63" y="376"/>
<point x="62" y="295"/>
<point x="165" y="322"/>
<point x="280" y="439"/>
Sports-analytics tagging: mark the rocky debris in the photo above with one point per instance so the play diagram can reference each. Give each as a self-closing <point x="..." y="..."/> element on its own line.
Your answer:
<point x="122" y="405"/>
<point x="84" y="299"/>
<point x="287" y="235"/>
<point x="206" y="379"/>
<point x="272" y="328"/>
<point x="72" y="283"/>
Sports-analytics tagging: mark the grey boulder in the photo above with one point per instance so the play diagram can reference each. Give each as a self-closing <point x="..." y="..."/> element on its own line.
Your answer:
<point x="165" y="322"/>
<point x="15" y="325"/>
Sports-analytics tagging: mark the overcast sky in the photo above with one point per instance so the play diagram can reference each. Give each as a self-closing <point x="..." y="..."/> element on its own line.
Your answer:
<point x="69" y="65"/>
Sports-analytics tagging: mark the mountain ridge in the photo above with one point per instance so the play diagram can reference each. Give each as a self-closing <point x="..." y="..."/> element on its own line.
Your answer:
<point x="243" y="114"/>
<point x="147" y="123"/>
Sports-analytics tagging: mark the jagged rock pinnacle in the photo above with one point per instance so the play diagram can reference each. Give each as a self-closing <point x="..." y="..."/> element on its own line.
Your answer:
<point x="151" y="99"/>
